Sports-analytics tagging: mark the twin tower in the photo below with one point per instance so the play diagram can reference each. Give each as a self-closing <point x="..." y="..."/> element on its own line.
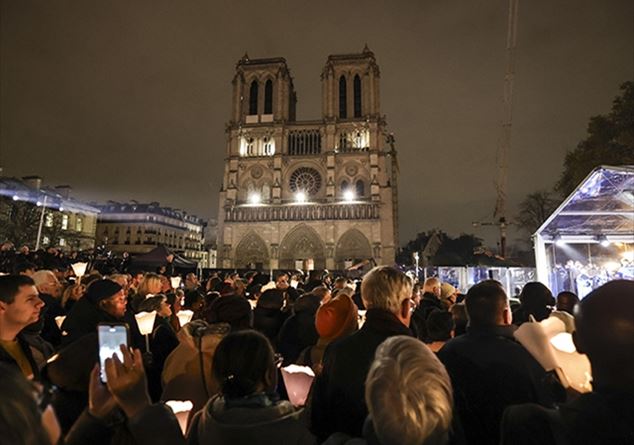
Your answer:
<point x="308" y="195"/>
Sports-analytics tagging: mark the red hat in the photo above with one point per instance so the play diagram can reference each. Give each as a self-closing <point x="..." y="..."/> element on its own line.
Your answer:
<point x="336" y="318"/>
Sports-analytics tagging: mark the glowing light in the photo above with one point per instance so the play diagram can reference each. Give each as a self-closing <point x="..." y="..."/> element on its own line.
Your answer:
<point x="255" y="198"/>
<point x="16" y="198"/>
<point x="61" y="209"/>
<point x="300" y="197"/>
<point x="175" y="282"/>
<point x="604" y="241"/>
<point x="348" y="195"/>
<point x="185" y="316"/>
<point x="145" y="321"/>
<point x="628" y="256"/>
<point x="79" y="269"/>
<point x="611" y="266"/>
<point x="563" y="342"/>
<point x="559" y="242"/>
<point x="39" y="204"/>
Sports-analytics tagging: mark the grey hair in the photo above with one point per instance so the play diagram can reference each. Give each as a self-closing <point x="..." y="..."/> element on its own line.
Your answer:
<point x="385" y="288"/>
<point x="408" y="393"/>
<point x="41" y="277"/>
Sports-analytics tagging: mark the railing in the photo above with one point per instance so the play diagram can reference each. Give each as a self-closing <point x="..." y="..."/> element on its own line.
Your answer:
<point x="309" y="212"/>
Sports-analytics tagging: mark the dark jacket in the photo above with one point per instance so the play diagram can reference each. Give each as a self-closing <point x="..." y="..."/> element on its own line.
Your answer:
<point x="84" y="318"/>
<point x="489" y="371"/>
<point x="428" y="303"/>
<point x="52" y="308"/>
<point x="252" y="422"/>
<point x="298" y="331"/>
<point x="338" y="398"/>
<point x="155" y="425"/>
<point x="7" y="359"/>
<point x="597" y="418"/>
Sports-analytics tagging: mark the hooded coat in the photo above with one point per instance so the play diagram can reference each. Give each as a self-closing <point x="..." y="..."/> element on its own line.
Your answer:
<point x="272" y="423"/>
<point x="182" y="376"/>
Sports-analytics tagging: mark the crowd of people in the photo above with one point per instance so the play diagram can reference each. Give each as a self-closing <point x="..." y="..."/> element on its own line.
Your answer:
<point x="395" y="361"/>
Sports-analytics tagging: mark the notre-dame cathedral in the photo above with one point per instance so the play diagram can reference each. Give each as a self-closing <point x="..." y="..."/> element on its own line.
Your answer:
<point x="308" y="194"/>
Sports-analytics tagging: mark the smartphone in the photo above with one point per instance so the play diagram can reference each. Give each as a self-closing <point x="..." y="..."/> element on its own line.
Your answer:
<point x="111" y="336"/>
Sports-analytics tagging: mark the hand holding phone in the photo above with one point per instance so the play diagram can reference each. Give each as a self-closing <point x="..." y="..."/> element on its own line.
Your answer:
<point x="111" y="337"/>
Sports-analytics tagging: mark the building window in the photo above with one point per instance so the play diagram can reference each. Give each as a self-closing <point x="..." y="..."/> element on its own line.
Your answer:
<point x="357" y="96"/>
<point x="48" y="220"/>
<point x="304" y="142"/>
<point x="360" y="188"/>
<point x="343" y="98"/>
<point x="344" y="186"/>
<point x="253" y="98"/>
<point x="268" y="97"/>
<point x="79" y="224"/>
<point x="64" y="222"/>
<point x="62" y="242"/>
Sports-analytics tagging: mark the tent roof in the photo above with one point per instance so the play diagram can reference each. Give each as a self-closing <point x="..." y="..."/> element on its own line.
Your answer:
<point x="602" y="205"/>
<point x="158" y="257"/>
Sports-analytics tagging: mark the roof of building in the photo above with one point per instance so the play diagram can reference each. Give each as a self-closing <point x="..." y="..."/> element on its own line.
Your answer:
<point x="20" y="190"/>
<point x="602" y="205"/>
<point x="112" y="208"/>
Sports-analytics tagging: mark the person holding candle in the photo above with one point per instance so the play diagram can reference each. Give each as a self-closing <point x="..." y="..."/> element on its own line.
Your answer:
<point x="605" y="332"/>
<point x="246" y="411"/>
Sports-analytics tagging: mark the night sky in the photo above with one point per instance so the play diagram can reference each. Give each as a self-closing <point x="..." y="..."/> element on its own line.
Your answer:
<point x="129" y="99"/>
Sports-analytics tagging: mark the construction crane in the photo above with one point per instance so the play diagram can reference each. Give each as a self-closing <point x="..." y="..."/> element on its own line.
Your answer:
<point x="504" y="144"/>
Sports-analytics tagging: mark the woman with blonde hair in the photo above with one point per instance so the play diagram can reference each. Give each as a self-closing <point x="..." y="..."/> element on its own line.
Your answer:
<point x="150" y="285"/>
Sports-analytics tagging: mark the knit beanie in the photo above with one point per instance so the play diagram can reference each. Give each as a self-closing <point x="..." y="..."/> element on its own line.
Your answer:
<point x="232" y="309"/>
<point x="101" y="290"/>
<point x="336" y="318"/>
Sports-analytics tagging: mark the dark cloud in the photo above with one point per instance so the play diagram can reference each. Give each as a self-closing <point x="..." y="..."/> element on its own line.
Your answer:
<point x="128" y="100"/>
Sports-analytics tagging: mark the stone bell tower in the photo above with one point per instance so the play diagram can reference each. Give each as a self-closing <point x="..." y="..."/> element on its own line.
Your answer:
<point x="262" y="91"/>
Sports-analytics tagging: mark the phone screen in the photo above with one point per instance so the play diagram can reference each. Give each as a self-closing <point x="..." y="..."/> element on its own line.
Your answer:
<point x="110" y="338"/>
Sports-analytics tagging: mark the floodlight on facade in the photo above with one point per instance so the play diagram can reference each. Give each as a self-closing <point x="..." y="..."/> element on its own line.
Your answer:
<point x="255" y="198"/>
<point x="300" y="197"/>
<point x="348" y="195"/>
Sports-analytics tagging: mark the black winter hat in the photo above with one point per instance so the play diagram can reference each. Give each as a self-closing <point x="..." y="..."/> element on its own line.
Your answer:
<point x="101" y="290"/>
<point x="231" y="309"/>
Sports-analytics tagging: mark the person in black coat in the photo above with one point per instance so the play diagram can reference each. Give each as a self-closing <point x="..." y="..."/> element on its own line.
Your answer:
<point x="536" y="300"/>
<point x="338" y="403"/>
<point x="268" y="317"/>
<point x="489" y="370"/>
<point x="104" y="302"/>
<point x="298" y="331"/>
<point x="605" y="327"/>
<point x="430" y="301"/>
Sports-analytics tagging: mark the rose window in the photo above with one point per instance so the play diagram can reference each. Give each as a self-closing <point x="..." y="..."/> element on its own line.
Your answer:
<point x="305" y="179"/>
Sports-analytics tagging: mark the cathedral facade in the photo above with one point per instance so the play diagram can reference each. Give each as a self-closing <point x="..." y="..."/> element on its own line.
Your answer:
<point x="308" y="194"/>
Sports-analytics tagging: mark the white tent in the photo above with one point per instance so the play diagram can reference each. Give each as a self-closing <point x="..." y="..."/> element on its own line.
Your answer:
<point x="589" y="239"/>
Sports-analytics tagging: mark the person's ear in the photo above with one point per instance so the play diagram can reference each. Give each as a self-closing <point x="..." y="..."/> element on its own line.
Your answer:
<point x="507" y="316"/>
<point x="3" y="306"/>
<point x="404" y="313"/>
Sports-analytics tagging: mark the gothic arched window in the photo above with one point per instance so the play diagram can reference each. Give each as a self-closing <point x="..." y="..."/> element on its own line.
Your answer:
<point x="268" y="97"/>
<point x="360" y="188"/>
<point x="343" y="98"/>
<point x="253" y="98"/>
<point x="344" y="186"/>
<point x="357" y="96"/>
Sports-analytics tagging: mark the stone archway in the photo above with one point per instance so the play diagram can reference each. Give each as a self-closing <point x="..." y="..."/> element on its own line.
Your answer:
<point x="353" y="246"/>
<point x="252" y="252"/>
<point x="300" y="244"/>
